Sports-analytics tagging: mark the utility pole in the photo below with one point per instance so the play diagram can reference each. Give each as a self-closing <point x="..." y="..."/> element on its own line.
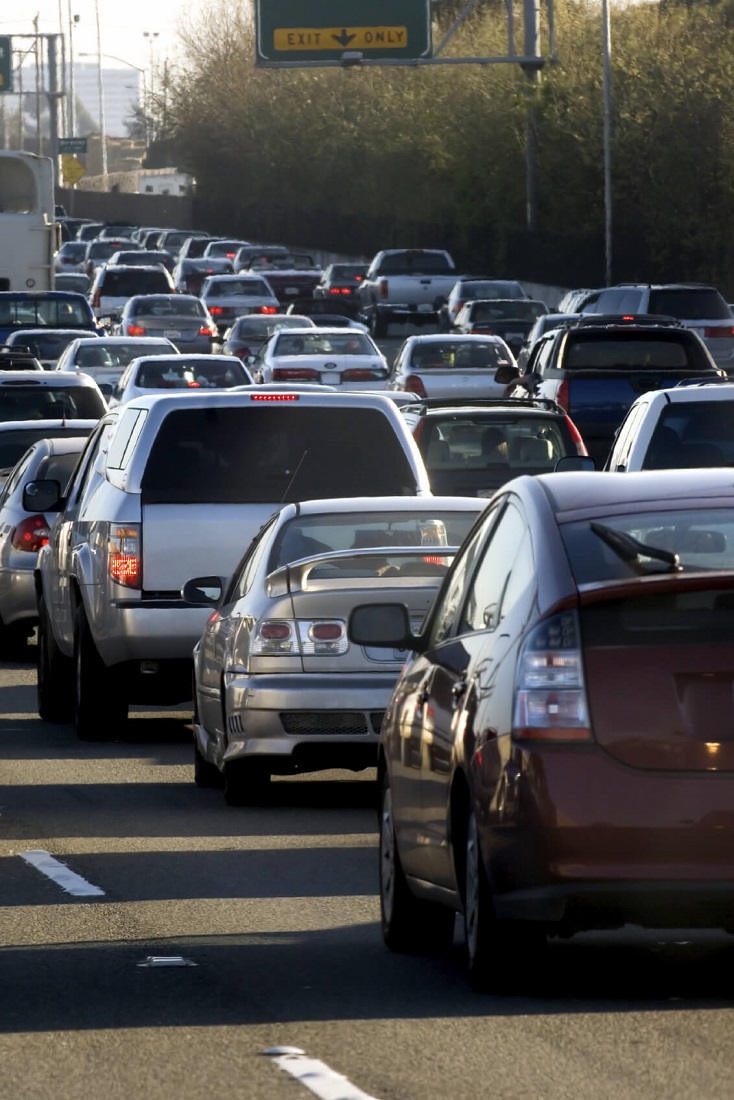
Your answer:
<point x="531" y="14"/>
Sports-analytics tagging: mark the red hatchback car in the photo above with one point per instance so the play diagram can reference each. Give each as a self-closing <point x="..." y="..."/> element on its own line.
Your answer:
<point x="558" y="754"/>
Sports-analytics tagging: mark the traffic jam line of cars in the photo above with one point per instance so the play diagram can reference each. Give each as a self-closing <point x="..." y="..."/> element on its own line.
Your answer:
<point x="406" y="565"/>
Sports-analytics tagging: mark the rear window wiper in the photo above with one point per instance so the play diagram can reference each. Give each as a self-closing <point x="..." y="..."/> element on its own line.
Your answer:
<point x="631" y="550"/>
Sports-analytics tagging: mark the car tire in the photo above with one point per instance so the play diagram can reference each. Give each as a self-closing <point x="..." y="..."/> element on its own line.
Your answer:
<point x="409" y="924"/>
<point x="206" y="776"/>
<point x="501" y="955"/>
<point x="99" y="707"/>
<point x="53" y="684"/>
<point x="246" y="782"/>
<point x="13" y="642"/>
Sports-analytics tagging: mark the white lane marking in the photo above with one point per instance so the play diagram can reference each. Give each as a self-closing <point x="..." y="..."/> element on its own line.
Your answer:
<point x="61" y="875"/>
<point x="315" y="1076"/>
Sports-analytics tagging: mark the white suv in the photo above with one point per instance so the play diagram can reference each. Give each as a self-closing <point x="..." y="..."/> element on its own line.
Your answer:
<point x="691" y="425"/>
<point x="697" y="306"/>
<point x="176" y="486"/>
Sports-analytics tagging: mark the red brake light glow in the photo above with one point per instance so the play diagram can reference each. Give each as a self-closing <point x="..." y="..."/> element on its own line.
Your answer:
<point x="274" y="397"/>
<point x="30" y="534"/>
<point x="135" y="330"/>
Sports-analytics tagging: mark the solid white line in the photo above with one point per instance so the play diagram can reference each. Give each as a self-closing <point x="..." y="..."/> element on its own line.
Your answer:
<point x="61" y="875"/>
<point x="316" y="1076"/>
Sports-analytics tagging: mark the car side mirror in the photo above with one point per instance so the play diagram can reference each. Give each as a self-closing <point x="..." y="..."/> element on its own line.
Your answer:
<point x="506" y="374"/>
<point x="574" y="462"/>
<point x="42" y="496"/>
<point x="203" y="591"/>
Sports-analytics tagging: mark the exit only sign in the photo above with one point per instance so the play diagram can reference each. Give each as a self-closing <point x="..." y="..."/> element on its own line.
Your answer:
<point x="290" y="31"/>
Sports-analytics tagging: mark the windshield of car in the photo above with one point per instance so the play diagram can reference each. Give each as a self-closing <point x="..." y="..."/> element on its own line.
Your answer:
<point x="134" y="280"/>
<point x="72" y="250"/>
<point x="101" y="354"/>
<point x="265" y="453"/>
<point x="634" y="351"/>
<point x="21" y="402"/>
<point x="690" y="303"/>
<point x="182" y="374"/>
<point x="702" y="538"/>
<point x="14" y="444"/>
<point x="448" y="355"/>
<point x="416" y="263"/>
<point x="238" y="288"/>
<point x="489" y="288"/>
<point x="503" y="309"/>
<point x="54" y="312"/>
<point x="48" y="346"/>
<point x="306" y="536"/>
<point x="59" y="467"/>
<point x="175" y="306"/>
<point x="473" y="442"/>
<point x="348" y="343"/>
<point x="692" y="433"/>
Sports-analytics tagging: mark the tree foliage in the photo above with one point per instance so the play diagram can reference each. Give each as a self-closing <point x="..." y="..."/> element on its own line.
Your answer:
<point x="381" y="155"/>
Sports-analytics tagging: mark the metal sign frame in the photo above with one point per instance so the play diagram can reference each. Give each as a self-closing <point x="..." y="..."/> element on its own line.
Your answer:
<point x="6" y="64"/>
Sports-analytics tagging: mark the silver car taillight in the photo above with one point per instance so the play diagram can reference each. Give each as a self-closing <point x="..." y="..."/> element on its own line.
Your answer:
<point x="293" y="638"/>
<point x="550" y="694"/>
<point x="323" y="638"/>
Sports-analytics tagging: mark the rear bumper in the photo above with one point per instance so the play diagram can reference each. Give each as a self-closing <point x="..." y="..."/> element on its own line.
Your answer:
<point x="160" y="630"/>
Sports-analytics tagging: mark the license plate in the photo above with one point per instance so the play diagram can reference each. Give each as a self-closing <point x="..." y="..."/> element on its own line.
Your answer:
<point x="331" y="378"/>
<point x="425" y="307"/>
<point x="172" y="334"/>
<point x="291" y="290"/>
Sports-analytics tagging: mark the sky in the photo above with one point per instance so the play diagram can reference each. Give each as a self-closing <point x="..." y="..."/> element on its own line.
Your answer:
<point x="122" y="27"/>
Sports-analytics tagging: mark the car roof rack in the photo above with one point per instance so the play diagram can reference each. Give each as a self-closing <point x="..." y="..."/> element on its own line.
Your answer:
<point x="544" y="403"/>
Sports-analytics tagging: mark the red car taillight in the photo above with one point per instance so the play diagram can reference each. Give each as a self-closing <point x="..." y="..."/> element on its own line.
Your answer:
<point x="124" y="555"/>
<point x="242" y="353"/>
<point x="268" y="309"/>
<point x="550" y="693"/>
<point x="135" y="330"/>
<point x="562" y="395"/>
<point x="485" y="330"/>
<point x="340" y="290"/>
<point x="363" y="374"/>
<point x="383" y="288"/>
<point x="718" y="331"/>
<point x="30" y="534"/>
<point x="414" y="384"/>
<point x="96" y="300"/>
<point x="207" y="330"/>
<point x="295" y="374"/>
<point x="576" y="437"/>
<point x="216" y="311"/>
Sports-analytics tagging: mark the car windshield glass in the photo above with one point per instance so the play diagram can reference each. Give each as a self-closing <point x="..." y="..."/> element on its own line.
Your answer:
<point x="309" y="535"/>
<point x="349" y="343"/>
<point x="702" y="538"/>
<point x="116" y="355"/>
<point x="442" y="355"/>
<point x="50" y="402"/>
<point x="490" y="289"/>
<point x="14" y="444"/>
<point x="168" y="307"/>
<point x="54" y="312"/>
<point x="475" y="442"/>
<point x="632" y="351"/>
<point x="184" y="374"/>
<point x="518" y="309"/>
<point x="415" y="263"/>
<point x="690" y="304"/>
<point x="123" y="284"/>
<point x="692" y="433"/>
<point x="47" y="346"/>
<point x="59" y="467"/>
<point x="265" y="453"/>
<point x="238" y="288"/>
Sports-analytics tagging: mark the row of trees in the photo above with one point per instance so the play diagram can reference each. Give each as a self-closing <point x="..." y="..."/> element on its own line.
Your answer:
<point x="360" y="159"/>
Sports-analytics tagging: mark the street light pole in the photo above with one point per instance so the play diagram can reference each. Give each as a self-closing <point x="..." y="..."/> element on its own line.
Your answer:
<point x="607" y="139"/>
<point x="114" y="57"/>
<point x="100" y="83"/>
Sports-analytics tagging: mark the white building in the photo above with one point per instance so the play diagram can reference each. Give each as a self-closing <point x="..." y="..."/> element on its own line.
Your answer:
<point x="122" y="90"/>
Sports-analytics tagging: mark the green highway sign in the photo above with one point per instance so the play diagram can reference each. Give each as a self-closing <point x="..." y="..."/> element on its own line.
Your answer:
<point x="292" y="31"/>
<point x="6" y="64"/>
<point x="72" y="145"/>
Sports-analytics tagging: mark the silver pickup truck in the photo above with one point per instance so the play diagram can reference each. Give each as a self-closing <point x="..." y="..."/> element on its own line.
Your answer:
<point x="175" y="486"/>
<point x="405" y="284"/>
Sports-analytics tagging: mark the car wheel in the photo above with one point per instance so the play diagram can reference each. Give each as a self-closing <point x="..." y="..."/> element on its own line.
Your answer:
<point x="246" y="782"/>
<point x="409" y="924"/>
<point x="53" y="683"/>
<point x="99" y="707"/>
<point x="500" y="954"/>
<point x="206" y="775"/>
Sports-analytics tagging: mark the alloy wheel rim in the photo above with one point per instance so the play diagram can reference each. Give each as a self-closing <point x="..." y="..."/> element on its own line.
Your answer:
<point x="471" y="900"/>
<point x="387" y="857"/>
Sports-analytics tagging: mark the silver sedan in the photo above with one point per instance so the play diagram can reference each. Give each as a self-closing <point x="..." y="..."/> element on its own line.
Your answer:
<point x="181" y="318"/>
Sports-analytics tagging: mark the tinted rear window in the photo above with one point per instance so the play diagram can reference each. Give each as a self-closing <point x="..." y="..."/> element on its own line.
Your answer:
<point x="56" y="312"/>
<point x="272" y="454"/>
<point x="50" y="402"/>
<point x="415" y="263"/>
<point x="167" y="375"/>
<point x="124" y="284"/>
<point x="635" y="351"/>
<point x="690" y="304"/>
<point x="13" y="445"/>
<point x="461" y="356"/>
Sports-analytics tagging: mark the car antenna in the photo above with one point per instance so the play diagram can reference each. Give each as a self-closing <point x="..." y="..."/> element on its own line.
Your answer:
<point x="294" y="476"/>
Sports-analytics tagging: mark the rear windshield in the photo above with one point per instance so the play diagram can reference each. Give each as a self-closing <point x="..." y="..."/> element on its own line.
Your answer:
<point x="239" y="288"/>
<point x="416" y="263"/>
<point x="183" y="374"/>
<point x="690" y="304"/>
<point x="349" y="343"/>
<point x="50" y="402"/>
<point x="270" y="454"/>
<point x="518" y="309"/>
<point x="460" y="356"/>
<point x="55" y="312"/>
<point x="305" y="536"/>
<point x="636" y="351"/>
<point x="48" y="347"/>
<point x="692" y="433"/>
<point x="168" y="307"/>
<point x="522" y="444"/>
<point x="58" y="467"/>
<point x="702" y="538"/>
<point x="124" y="284"/>
<point x="116" y="355"/>
<point x="13" y="445"/>
<point x="492" y="288"/>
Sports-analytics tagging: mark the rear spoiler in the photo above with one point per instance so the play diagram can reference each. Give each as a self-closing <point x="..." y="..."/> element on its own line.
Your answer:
<point x="294" y="576"/>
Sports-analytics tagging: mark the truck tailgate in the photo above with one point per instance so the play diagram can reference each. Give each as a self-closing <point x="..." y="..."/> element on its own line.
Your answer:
<point x="181" y="541"/>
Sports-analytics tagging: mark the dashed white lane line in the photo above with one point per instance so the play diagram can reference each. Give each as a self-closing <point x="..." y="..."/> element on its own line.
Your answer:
<point x="61" y="875"/>
<point x="315" y="1076"/>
